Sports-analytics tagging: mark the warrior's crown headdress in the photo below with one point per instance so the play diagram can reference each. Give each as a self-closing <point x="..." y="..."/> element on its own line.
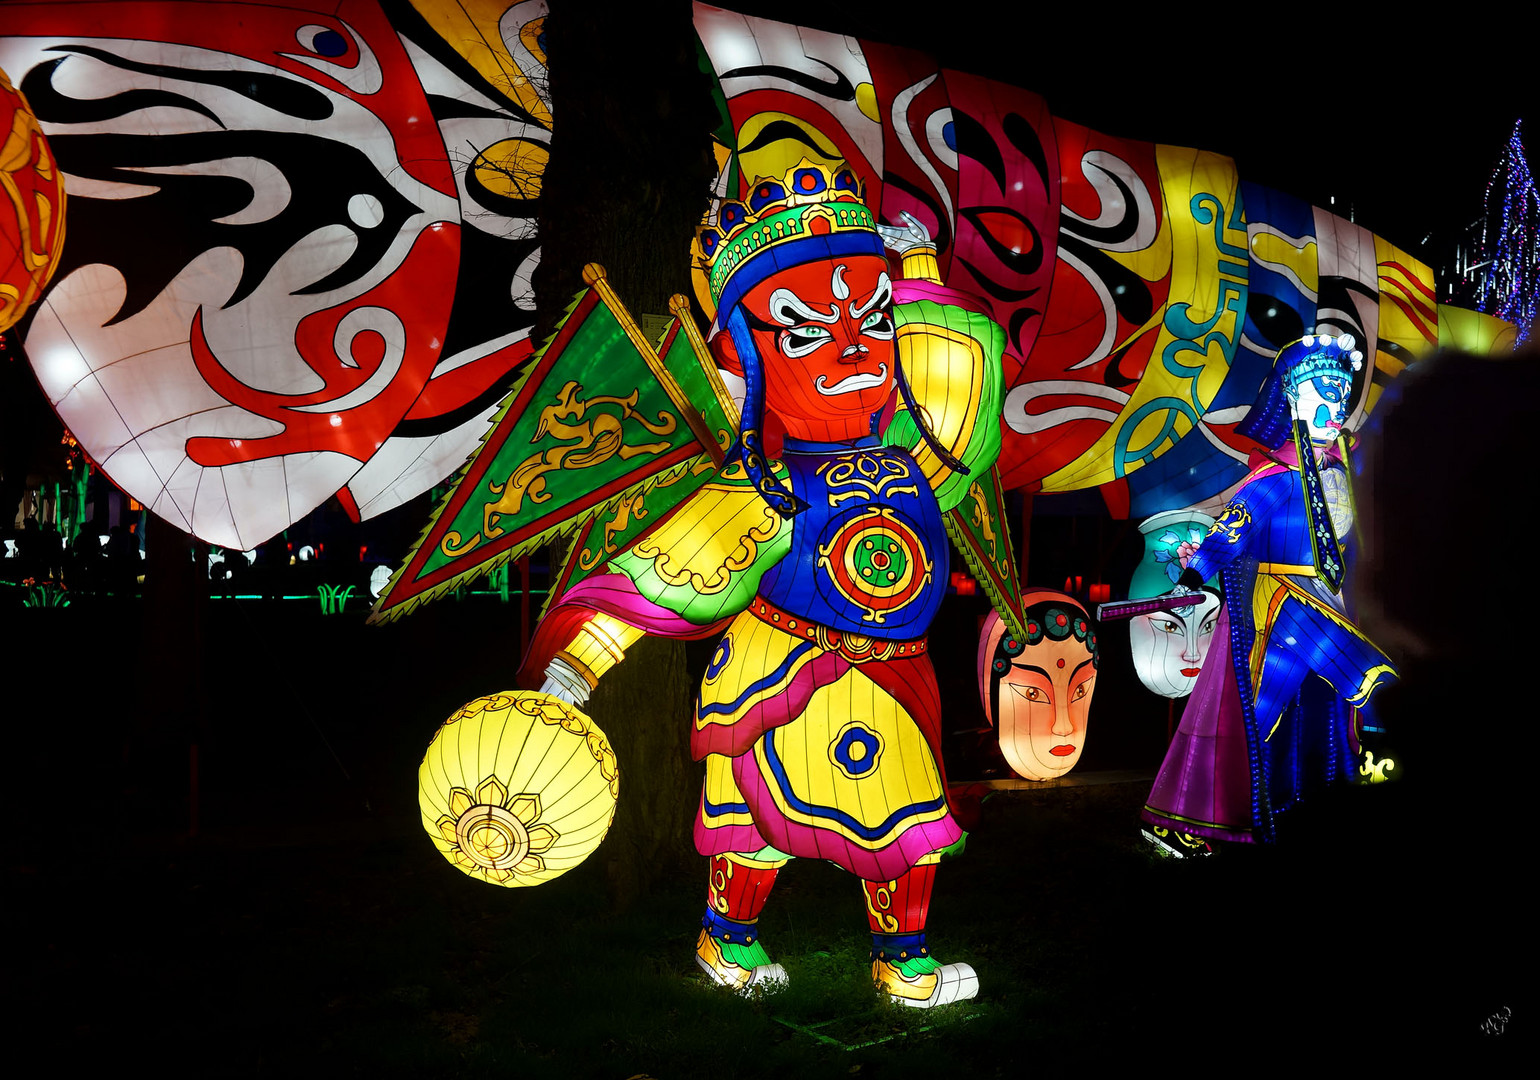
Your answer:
<point x="812" y="212"/>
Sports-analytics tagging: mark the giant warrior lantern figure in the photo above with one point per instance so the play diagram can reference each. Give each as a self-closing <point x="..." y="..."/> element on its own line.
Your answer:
<point x="819" y="718"/>
<point x="1141" y="288"/>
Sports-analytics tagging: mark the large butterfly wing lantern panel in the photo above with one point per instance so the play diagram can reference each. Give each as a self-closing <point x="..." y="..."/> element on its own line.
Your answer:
<point x="263" y="305"/>
<point x="303" y="239"/>
<point x="1111" y="280"/>
<point x="1144" y="289"/>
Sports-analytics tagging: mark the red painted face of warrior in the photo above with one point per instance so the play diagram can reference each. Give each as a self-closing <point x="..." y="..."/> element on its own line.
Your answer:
<point x="825" y="336"/>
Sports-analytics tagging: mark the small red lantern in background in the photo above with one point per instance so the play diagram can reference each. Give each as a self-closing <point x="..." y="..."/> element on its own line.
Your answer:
<point x="31" y="207"/>
<point x="964" y="584"/>
<point x="1095" y="593"/>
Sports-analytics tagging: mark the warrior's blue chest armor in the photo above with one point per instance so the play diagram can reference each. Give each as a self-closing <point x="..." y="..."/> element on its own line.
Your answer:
<point x="870" y="553"/>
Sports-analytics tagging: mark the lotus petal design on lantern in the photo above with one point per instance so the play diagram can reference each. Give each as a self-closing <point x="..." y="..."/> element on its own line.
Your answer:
<point x="494" y="835"/>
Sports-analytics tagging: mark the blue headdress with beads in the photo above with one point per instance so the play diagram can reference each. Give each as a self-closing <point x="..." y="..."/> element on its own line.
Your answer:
<point x="1271" y="419"/>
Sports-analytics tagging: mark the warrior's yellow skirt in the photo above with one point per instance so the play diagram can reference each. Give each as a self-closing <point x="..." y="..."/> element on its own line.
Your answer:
<point x="819" y="757"/>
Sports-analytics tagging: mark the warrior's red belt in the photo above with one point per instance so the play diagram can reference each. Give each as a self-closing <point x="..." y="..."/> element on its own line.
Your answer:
<point x="857" y="648"/>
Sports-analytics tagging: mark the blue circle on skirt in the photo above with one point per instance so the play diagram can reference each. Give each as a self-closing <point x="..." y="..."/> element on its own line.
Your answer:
<point x="857" y="762"/>
<point x="719" y="661"/>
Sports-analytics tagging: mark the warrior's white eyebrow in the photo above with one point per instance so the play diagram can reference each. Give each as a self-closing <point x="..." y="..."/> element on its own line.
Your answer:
<point x="837" y="283"/>
<point x="788" y="309"/>
<point x="881" y="295"/>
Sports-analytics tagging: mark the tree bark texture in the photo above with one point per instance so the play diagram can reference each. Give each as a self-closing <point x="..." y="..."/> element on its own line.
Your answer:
<point x="629" y="178"/>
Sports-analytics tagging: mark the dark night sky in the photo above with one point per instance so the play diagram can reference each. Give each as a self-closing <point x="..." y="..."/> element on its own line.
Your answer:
<point x="1401" y="119"/>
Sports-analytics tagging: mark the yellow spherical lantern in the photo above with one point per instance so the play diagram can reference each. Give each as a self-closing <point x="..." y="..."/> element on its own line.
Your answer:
<point x="31" y="207"/>
<point x="517" y="788"/>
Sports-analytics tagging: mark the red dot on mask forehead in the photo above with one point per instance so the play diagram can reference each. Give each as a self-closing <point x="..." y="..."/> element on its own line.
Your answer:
<point x="1061" y="661"/>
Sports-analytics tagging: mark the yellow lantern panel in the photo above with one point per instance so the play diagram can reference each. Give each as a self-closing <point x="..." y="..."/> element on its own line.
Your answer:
<point x="517" y="788"/>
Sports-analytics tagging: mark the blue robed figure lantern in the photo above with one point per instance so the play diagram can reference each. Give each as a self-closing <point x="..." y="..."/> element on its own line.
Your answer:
<point x="1274" y="717"/>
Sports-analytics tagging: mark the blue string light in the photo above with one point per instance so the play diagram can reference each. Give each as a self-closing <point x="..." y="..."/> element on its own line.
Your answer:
<point x="1511" y="290"/>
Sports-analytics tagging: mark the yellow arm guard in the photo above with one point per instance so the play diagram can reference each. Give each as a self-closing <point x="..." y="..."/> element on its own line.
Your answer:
<point x="599" y="646"/>
<point x="919" y="264"/>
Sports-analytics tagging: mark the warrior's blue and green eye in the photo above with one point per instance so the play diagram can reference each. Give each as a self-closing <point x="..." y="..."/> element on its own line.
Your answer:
<point x="878" y="324"/>
<point x="801" y="340"/>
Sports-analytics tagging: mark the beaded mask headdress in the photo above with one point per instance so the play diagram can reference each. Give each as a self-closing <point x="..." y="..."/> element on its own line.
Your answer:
<point x="1315" y="355"/>
<point x="1271" y="419"/>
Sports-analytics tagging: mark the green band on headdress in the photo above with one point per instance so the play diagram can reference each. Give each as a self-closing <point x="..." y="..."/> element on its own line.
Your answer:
<point x="789" y="224"/>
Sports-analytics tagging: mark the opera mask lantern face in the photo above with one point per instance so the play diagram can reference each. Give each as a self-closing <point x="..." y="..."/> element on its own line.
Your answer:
<point x="825" y="333"/>
<point x="1038" y="692"/>
<point x="1169" y="646"/>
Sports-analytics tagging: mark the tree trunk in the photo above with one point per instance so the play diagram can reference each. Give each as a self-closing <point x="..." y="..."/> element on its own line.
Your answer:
<point x="643" y="705"/>
<point x="163" y="747"/>
<point x="629" y="177"/>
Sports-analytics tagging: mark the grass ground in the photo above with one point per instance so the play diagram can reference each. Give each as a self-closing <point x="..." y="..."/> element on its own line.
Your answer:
<point x="311" y="927"/>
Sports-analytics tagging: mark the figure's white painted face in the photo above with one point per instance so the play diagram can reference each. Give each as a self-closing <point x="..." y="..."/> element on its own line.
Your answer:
<point x="1322" y="403"/>
<point x="1169" y="647"/>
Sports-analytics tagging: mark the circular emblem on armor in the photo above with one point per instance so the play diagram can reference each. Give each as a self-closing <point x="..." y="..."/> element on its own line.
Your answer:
<point x="880" y="561"/>
<point x="876" y="561"/>
<point x="856" y="750"/>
